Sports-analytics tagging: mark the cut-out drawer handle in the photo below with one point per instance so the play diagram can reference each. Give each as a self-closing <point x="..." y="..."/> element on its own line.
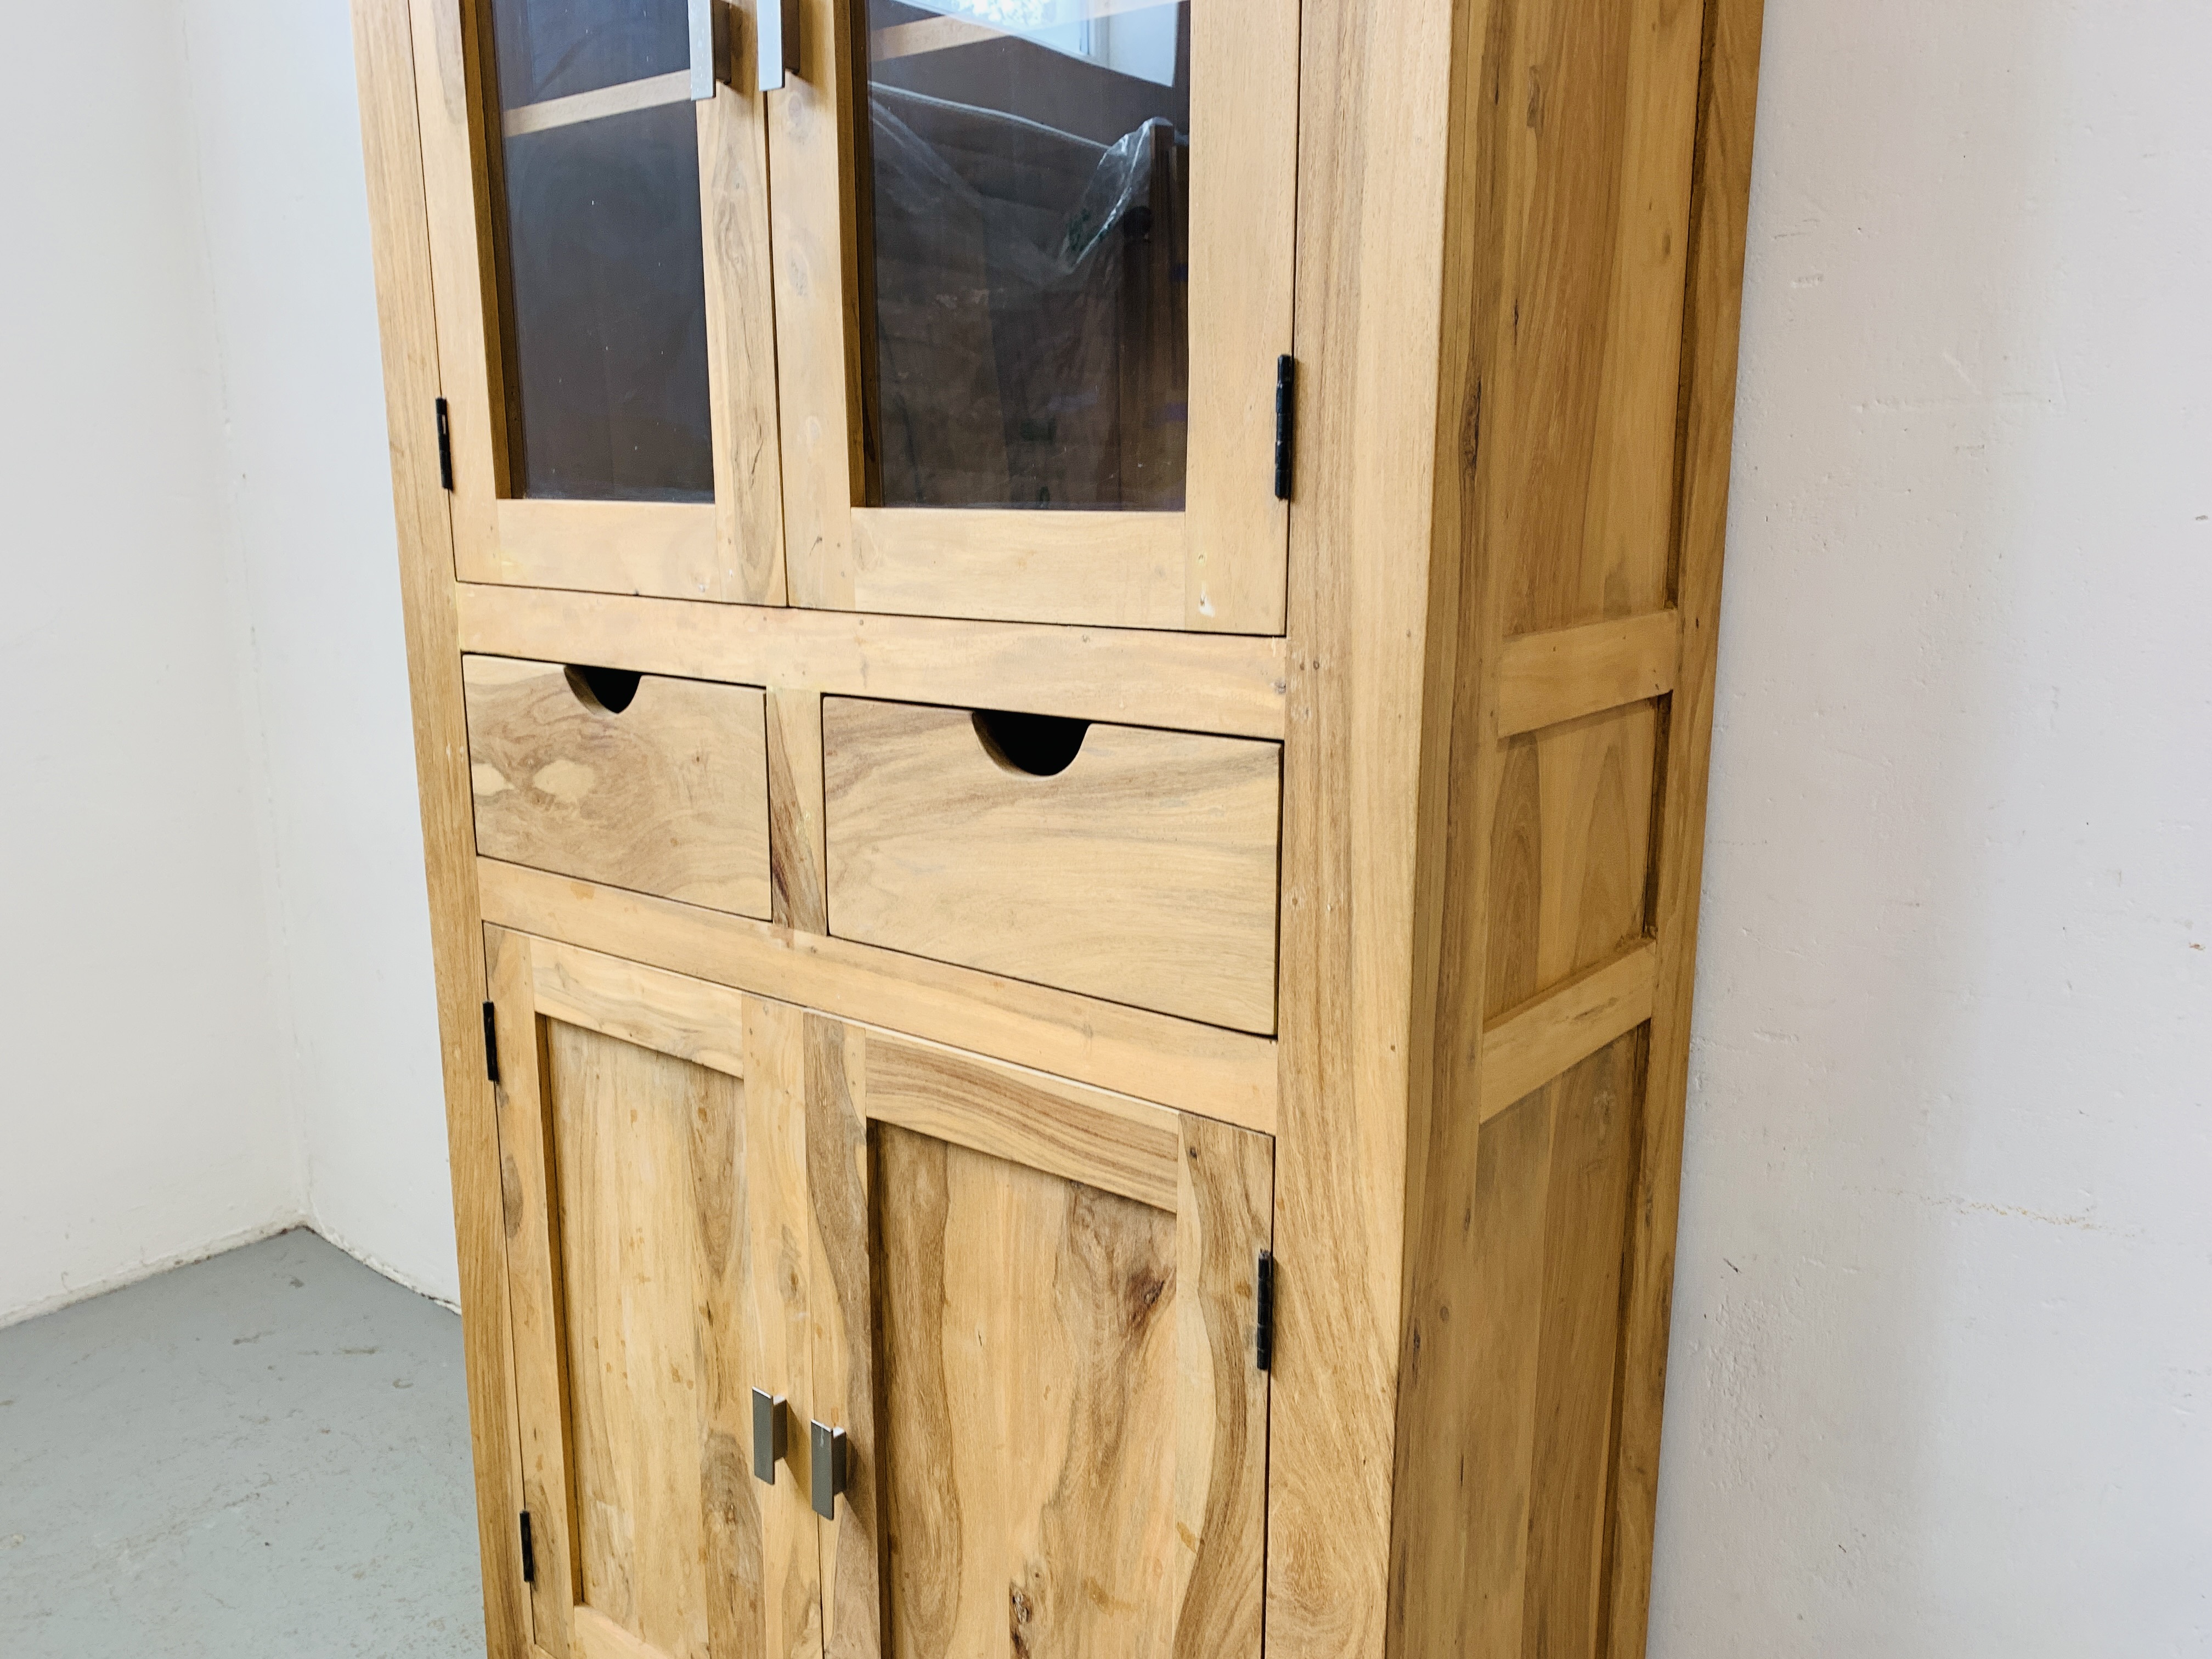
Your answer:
<point x="610" y="690"/>
<point x="1040" y="745"/>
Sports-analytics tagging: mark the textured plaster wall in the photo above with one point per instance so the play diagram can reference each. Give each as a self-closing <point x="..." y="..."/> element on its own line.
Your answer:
<point x="1943" y="1315"/>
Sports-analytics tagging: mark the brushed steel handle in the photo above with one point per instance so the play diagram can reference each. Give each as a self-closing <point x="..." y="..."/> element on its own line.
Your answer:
<point x="776" y="23"/>
<point x="827" y="1447"/>
<point x="771" y="1433"/>
<point x="710" y="48"/>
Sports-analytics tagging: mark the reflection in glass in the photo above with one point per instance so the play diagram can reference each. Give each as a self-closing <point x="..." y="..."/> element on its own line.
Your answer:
<point x="605" y="275"/>
<point x="1032" y="163"/>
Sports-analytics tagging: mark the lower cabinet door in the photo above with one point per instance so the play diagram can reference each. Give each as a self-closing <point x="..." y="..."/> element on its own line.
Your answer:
<point x="833" y="1342"/>
<point x="653" y="1186"/>
<point x="1035" y="1306"/>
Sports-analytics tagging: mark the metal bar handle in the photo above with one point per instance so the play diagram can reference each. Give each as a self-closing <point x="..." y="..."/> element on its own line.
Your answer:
<point x="771" y="1433"/>
<point x="827" y="1447"/>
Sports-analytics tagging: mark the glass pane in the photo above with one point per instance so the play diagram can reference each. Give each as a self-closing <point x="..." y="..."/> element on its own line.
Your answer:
<point x="1031" y="165"/>
<point x="604" y="274"/>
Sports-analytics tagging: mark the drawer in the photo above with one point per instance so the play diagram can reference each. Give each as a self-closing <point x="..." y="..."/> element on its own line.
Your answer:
<point x="1123" y="863"/>
<point x="640" y="782"/>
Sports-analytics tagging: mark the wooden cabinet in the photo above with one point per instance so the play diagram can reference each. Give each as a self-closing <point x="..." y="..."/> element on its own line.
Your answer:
<point x="1062" y="657"/>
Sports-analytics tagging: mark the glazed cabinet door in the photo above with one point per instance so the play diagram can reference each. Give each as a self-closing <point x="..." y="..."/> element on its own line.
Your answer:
<point x="1034" y="1309"/>
<point x="652" y="1173"/>
<point x="596" y="178"/>
<point x="1033" y="288"/>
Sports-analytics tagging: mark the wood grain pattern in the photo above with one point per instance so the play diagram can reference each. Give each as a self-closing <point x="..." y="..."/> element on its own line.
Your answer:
<point x="797" y="861"/>
<point x="1227" y="684"/>
<point x="1568" y="208"/>
<point x="651" y="1153"/>
<point x="668" y="549"/>
<point x="1546" y="679"/>
<point x="840" y="1180"/>
<point x="728" y="551"/>
<point x="1373" y="634"/>
<point x="669" y="796"/>
<point x="1199" y="1068"/>
<point x="1525" y="1046"/>
<point x="1143" y="874"/>
<point x="815" y="237"/>
<point x="1102" y="568"/>
<point x="391" y="145"/>
<point x="1728" y="105"/>
<point x="1224" y="1217"/>
<point x="1217" y="565"/>
<point x="1029" y="1377"/>
<point x="734" y="217"/>
<point x="778" y="1318"/>
<point x="532" y="1234"/>
<point x="687" y="1018"/>
<point x="1105" y="1140"/>
<point x="1590" y="227"/>
<point x="1569" y="844"/>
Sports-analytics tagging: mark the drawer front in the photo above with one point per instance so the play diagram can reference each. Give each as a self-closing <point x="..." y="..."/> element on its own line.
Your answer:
<point x="667" y="795"/>
<point x="1145" y="872"/>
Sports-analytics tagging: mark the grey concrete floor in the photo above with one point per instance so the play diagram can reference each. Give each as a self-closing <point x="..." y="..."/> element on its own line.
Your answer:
<point x="264" y="1456"/>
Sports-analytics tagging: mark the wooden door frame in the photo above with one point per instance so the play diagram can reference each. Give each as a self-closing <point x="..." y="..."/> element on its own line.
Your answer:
<point x="730" y="548"/>
<point x="1219" y="566"/>
<point x="1217" y="1180"/>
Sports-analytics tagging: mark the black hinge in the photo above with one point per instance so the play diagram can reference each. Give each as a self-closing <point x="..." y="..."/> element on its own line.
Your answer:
<point x="446" y="446"/>
<point x="1263" y="1344"/>
<point x="491" y="1042"/>
<point x="1286" y="386"/>
<point x="529" y="1555"/>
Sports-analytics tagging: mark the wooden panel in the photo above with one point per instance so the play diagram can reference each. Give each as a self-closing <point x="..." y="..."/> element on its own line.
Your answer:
<point x="1569" y="847"/>
<point x="797" y="894"/>
<point x="1224" y="1216"/>
<point x="1106" y="1140"/>
<point x="1029" y="1381"/>
<point x="1231" y="685"/>
<point x="1545" y="679"/>
<point x="669" y="796"/>
<point x="1373" y="638"/>
<point x="531" y="1204"/>
<point x="663" y="547"/>
<point x="654" y="1233"/>
<point x="1579" y="410"/>
<point x="846" y="1380"/>
<point x="778" y="1317"/>
<point x="1728" y="97"/>
<point x="391" y="145"/>
<point x="1218" y="566"/>
<point x="1143" y="874"/>
<point x="1115" y="569"/>
<point x="1524" y="1047"/>
<point x="1199" y="1068"/>
<point x="815" y="236"/>
<point x="1548" y="1216"/>
<point x="733" y="202"/>
<point x="688" y="1018"/>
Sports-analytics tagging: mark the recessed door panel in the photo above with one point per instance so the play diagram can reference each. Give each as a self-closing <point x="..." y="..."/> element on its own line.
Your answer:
<point x="1059" y="1421"/>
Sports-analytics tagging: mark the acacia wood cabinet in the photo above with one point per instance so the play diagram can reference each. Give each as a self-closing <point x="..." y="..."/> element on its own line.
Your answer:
<point x="1062" y="655"/>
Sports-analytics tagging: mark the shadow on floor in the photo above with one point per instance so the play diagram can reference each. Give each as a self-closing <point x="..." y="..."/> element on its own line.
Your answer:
<point x="264" y="1456"/>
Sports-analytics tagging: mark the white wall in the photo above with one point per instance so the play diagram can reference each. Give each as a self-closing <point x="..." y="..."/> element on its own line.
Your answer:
<point x="217" y="1000"/>
<point x="1943" y="1314"/>
<point x="277" y="127"/>
<point x="141" y="1113"/>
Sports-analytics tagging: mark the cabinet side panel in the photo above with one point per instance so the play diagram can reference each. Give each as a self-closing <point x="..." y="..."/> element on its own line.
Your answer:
<point x="384" y="59"/>
<point x="1591" y="236"/>
<point x="1582" y="338"/>
<point x="1727" y="103"/>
